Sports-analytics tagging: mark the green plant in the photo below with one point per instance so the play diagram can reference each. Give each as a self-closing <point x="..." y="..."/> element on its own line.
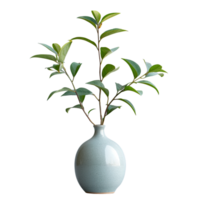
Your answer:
<point x="58" y="68"/>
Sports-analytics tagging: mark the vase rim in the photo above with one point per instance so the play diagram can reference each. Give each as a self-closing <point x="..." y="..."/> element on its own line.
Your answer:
<point x="99" y="125"/>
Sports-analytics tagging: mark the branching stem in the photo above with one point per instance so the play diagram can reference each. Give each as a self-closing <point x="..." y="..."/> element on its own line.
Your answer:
<point x="120" y="93"/>
<point x="73" y="85"/>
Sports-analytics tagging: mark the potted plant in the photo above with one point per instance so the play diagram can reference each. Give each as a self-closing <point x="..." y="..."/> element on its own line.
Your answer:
<point x="100" y="162"/>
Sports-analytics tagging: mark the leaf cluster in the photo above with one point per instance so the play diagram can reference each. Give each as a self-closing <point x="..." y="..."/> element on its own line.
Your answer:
<point x="58" y="68"/>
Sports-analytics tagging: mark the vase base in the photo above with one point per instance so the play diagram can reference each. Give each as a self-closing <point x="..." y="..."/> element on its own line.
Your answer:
<point x="100" y="193"/>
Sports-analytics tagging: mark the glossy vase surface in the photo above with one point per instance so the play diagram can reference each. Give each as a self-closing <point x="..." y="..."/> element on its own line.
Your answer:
<point x="100" y="164"/>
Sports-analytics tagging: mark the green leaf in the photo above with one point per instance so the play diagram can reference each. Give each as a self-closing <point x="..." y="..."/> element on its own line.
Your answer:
<point x="154" y="74"/>
<point x="45" y="56"/>
<point x="56" y="47"/>
<point x="83" y="92"/>
<point x="64" y="50"/>
<point x="77" y="106"/>
<point x="63" y="89"/>
<point x="108" y="16"/>
<point x="134" y="67"/>
<point x="106" y="51"/>
<point x="118" y="86"/>
<point x="157" y="68"/>
<point x="83" y="98"/>
<point x="130" y="104"/>
<point x="148" y="66"/>
<point x="53" y="66"/>
<point x="91" y="110"/>
<point x="56" y="67"/>
<point x="108" y="69"/>
<point x="74" y="67"/>
<point x="48" y="68"/>
<point x="153" y="69"/>
<point x="89" y="19"/>
<point x="85" y="39"/>
<point x="150" y="84"/>
<point x="69" y="93"/>
<point x="96" y="15"/>
<point x="129" y="88"/>
<point x="49" y="47"/>
<point x="110" y="32"/>
<point x="100" y="85"/>
<point x="67" y="110"/>
<point x="55" y="73"/>
<point x="111" y="108"/>
<point x="161" y="75"/>
<point x="52" y="93"/>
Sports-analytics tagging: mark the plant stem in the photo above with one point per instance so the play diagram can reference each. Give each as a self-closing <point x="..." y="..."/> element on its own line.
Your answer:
<point x="73" y="85"/>
<point x="98" y="47"/>
<point x="120" y="93"/>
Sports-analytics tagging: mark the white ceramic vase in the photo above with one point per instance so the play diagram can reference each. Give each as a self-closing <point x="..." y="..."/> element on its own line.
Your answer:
<point x="100" y="164"/>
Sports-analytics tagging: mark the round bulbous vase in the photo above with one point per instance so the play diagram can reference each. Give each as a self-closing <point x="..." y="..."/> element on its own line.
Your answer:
<point x="100" y="164"/>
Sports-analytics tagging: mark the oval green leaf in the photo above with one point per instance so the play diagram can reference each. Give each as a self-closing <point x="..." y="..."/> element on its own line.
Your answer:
<point x="56" y="47"/>
<point x="96" y="15"/>
<point x="119" y="87"/>
<point x="55" y="73"/>
<point x="64" y="50"/>
<point x="151" y="85"/>
<point x="108" y="16"/>
<point x="45" y="56"/>
<point x="49" y="68"/>
<point x="77" y="106"/>
<point x="100" y="85"/>
<point x="106" y="51"/>
<point x="56" y="67"/>
<point x="52" y="93"/>
<point x="67" y="110"/>
<point x="69" y="93"/>
<point x="129" y="88"/>
<point x="89" y="19"/>
<point x="49" y="48"/>
<point x="130" y="104"/>
<point x="135" y="68"/>
<point x="85" y="39"/>
<point x="74" y="67"/>
<point x="148" y="66"/>
<point x="63" y="89"/>
<point x="110" y="32"/>
<point x="111" y="108"/>
<point x="154" y="74"/>
<point x="108" y="69"/>
<point x="91" y="110"/>
<point x="155" y="68"/>
<point x="83" y="91"/>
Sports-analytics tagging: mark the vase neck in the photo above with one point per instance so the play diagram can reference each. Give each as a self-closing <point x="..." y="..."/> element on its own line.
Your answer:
<point x="99" y="131"/>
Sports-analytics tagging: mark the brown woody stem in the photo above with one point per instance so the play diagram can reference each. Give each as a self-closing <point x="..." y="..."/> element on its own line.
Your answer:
<point x="98" y="47"/>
